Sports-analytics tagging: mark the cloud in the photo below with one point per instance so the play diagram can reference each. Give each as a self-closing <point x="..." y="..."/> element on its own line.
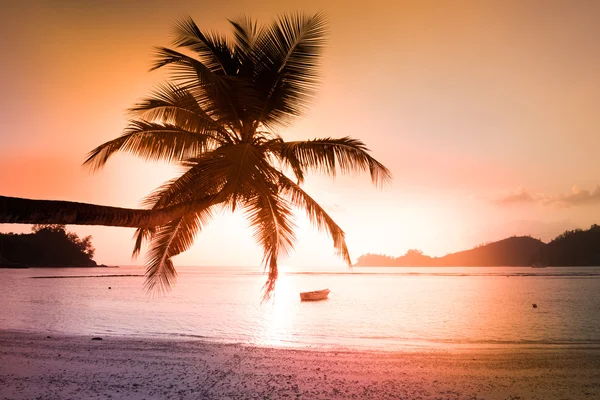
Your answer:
<point x="577" y="197"/>
<point x="519" y="196"/>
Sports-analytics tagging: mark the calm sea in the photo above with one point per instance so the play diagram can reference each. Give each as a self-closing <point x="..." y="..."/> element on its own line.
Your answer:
<point x="373" y="308"/>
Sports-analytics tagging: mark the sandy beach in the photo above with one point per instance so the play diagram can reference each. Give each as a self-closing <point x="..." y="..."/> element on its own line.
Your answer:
<point x="35" y="366"/>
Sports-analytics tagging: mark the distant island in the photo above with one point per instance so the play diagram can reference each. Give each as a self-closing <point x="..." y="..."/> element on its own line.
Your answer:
<point x="572" y="248"/>
<point x="46" y="246"/>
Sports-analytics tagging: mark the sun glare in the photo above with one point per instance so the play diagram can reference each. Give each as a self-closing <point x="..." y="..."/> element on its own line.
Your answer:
<point x="280" y="313"/>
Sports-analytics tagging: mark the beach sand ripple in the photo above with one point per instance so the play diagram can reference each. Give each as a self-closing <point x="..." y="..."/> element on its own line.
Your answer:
<point x="35" y="366"/>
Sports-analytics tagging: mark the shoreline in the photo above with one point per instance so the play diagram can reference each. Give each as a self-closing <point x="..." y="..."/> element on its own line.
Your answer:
<point x="392" y="348"/>
<point x="38" y="365"/>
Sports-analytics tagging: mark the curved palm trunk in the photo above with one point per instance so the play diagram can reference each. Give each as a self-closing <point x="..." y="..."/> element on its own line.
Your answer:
<point x="14" y="210"/>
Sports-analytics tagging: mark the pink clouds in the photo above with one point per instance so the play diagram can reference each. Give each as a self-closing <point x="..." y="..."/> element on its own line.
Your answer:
<point x="519" y="196"/>
<point x="577" y="197"/>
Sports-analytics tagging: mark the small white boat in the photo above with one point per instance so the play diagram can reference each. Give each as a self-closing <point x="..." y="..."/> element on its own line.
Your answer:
<point x="314" y="295"/>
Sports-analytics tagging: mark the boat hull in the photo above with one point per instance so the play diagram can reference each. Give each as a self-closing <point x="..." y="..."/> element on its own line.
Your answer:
<point x="315" y="295"/>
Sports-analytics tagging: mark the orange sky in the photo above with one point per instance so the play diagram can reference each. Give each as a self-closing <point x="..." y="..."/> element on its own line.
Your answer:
<point x="486" y="113"/>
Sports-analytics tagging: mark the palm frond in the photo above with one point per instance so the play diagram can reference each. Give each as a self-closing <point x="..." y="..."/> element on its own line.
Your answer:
<point x="223" y="97"/>
<point x="229" y="174"/>
<point x="316" y="215"/>
<point x="212" y="49"/>
<point x="290" y="50"/>
<point x="245" y="31"/>
<point x="183" y="191"/>
<point x="327" y="155"/>
<point x="288" y="159"/>
<point x="210" y="89"/>
<point x="171" y="104"/>
<point x="247" y="174"/>
<point x="141" y="235"/>
<point x="152" y="141"/>
<point x="204" y="179"/>
<point x="199" y="184"/>
<point x="167" y="95"/>
<point x="169" y="240"/>
<point x="270" y="216"/>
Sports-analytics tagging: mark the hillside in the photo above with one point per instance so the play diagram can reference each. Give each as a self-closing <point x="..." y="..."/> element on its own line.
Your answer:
<point x="572" y="248"/>
<point x="577" y="248"/>
<point x="514" y="251"/>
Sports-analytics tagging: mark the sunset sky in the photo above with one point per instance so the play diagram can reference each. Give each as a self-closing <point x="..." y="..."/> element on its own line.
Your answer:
<point x="487" y="114"/>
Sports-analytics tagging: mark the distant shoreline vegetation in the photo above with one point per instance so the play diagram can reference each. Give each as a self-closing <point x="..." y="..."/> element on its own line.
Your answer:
<point x="46" y="246"/>
<point x="574" y="248"/>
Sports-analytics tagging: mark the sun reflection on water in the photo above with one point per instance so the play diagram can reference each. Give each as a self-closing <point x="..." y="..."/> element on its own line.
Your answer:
<point x="280" y="313"/>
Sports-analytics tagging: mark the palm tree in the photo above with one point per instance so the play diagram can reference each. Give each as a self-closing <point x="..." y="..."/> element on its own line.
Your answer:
<point x="219" y="117"/>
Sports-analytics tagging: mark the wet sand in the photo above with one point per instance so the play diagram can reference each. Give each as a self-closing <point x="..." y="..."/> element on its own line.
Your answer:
<point x="75" y="367"/>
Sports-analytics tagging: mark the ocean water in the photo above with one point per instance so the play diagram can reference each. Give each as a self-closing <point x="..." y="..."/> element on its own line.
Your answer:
<point x="368" y="308"/>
